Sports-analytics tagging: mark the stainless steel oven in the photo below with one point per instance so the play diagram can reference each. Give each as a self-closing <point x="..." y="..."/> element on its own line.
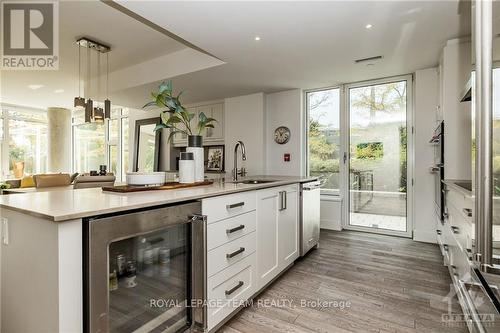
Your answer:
<point x="438" y="169"/>
<point x="145" y="270"/>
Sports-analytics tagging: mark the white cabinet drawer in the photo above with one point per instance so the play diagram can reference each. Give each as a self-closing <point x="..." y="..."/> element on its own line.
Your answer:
<point x="229" y="289"/>
<point x="223" y="207"/>
<point x="230" y="253"/>
<point x="224" y="231"/>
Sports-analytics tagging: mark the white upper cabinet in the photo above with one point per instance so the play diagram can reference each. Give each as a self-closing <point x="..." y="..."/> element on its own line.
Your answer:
<point x="210" y="135"/>
<point x="215" y="111"/>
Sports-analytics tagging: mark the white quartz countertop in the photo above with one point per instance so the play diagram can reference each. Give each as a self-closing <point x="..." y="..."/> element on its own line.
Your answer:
<point x="68" y="204"/>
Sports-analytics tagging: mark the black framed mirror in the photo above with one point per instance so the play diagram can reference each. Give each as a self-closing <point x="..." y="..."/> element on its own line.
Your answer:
<point x="147" y="145"/>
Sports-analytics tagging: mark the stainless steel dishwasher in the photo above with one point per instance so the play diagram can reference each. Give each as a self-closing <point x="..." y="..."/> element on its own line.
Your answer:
<point x="309" y="215"/>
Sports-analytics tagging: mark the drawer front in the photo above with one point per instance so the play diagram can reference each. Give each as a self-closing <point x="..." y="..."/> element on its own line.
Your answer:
<point x="230" y="253"/>
<point x="222" y="232"/>
<point x="230" y="288"/>
<point x="223" y="207"/>
<point x="461" y="228"/>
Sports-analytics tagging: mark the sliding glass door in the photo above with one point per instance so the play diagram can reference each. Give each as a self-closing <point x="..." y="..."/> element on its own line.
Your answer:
<point x="377" y="156"/>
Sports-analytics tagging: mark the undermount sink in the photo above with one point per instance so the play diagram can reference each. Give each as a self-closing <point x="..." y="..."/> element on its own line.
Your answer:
<point x="253" y="181"/>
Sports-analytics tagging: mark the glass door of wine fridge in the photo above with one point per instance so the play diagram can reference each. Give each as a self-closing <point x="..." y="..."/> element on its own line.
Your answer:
<point x="144" y="270"/>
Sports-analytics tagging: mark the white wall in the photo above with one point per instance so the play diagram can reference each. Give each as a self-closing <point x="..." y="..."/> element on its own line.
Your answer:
<point x="426" y="102"/>
<point x="244" y="120"/>
<point x="285" y="108"/>
<point x="331" y="212"/>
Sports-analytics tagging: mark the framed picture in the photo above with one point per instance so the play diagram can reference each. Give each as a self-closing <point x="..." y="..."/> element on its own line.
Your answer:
<point x="215" y="158"/>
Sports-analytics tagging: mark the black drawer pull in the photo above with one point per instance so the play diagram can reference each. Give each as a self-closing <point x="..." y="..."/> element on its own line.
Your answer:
<point x="438" y="232"/>
<point x="230" y="231"/>
<point x="467" y="211"/>
<point x="445" y="247"/>
<point x="455" y="230"/>
<point x="235" y="253"/>
<point x="235" y="205"/>
<point x="233" y="289"/>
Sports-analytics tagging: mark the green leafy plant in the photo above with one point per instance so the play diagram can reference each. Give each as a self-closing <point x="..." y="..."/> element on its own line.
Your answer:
<point x="176" y="117"/>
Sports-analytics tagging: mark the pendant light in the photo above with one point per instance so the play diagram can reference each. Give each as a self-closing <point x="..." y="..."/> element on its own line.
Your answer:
<point x="89" y="109"/>
<point x="79" y="101"/>
<point x="107" y="102"/>
<point x="94" y="110"/>
<point x="98" y="111"/>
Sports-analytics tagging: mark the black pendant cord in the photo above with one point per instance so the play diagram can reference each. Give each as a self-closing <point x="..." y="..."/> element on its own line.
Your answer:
<point x="107" y="75"/>
<point x="99" y="77"/>
<point x="88" y="71"/>
<point x="79" y="72"/>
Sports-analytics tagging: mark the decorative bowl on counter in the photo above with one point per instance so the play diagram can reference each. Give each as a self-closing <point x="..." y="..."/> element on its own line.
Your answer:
<point x="145" y="178"/>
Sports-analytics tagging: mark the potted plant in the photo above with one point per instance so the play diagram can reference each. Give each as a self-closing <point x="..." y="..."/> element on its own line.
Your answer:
<point x="178" y="119"/>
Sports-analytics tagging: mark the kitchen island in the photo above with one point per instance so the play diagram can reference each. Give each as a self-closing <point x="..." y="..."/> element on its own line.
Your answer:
<point x="43" y="245"/>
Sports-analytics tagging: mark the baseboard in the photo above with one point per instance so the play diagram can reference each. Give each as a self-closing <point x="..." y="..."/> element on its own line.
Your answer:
<point x="331" y="225"/>
<point x="426" y="236"/>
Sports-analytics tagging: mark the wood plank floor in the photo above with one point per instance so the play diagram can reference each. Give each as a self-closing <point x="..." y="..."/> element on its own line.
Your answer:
<point x="393" y="285"/>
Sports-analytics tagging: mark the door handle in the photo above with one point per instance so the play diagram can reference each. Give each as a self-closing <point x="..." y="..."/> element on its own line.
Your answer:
<point x="233" y="289"/>
<point x="284" y="200"/>
<point x="345" y="157"/>
<point x="235" y="205"/>
<point x="235" y="253"/>
<point x="240" y="227"/>
<point x="455" y="230"/>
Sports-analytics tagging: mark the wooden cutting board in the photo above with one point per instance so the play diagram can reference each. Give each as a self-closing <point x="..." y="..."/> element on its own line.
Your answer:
<point x="166" y="186"/>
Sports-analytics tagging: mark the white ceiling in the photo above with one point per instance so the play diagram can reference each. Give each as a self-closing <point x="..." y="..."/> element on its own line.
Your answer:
<point x="303" y="44"/>
<point x="131" y="43"/>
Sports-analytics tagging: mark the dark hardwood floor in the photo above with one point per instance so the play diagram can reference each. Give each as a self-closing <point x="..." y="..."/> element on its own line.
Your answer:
<point x="392" y="285"/>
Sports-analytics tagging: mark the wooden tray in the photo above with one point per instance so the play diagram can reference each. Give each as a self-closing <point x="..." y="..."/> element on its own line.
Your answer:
<point x="166" y="186"/>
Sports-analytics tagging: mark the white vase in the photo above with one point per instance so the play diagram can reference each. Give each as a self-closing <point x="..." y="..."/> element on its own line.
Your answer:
<point x="195" y="146"/>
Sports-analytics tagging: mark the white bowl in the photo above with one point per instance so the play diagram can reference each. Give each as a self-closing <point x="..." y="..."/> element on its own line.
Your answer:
<point x="145" y="178"/>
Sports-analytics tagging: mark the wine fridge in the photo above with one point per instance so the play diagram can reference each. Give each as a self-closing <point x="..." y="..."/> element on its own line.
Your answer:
<point x="144" y="270"/>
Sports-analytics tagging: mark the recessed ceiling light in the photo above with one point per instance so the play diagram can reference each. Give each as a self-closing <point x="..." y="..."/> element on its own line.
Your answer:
<point x="58" y="91"/>
<point x="35" y="86"/>
<point x="368" y="26"/>
<point x="257" y="38"/>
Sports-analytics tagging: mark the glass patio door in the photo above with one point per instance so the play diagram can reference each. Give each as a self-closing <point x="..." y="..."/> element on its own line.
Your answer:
<point x="377" y="149"/>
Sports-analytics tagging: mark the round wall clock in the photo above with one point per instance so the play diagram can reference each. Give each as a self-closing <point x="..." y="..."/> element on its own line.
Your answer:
<point x="282" y="135"/>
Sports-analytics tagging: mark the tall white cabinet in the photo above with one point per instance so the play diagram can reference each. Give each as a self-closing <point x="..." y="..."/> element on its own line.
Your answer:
<point x="454" y="72"/>
<point x="277" y="231"/>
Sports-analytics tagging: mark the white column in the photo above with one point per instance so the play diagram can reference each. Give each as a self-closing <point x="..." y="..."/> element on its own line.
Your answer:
<point x="59" y="140"/>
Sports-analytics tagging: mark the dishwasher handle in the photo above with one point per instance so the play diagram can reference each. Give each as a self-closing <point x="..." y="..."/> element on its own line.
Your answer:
<point x="311" y="186"/>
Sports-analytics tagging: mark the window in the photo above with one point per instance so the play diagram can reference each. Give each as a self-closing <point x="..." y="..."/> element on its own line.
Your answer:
<point x="101" y="144"/>
<point x="323" y="139"/>
<point x="23" y="138"/>
<point x="89" y="147"/>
